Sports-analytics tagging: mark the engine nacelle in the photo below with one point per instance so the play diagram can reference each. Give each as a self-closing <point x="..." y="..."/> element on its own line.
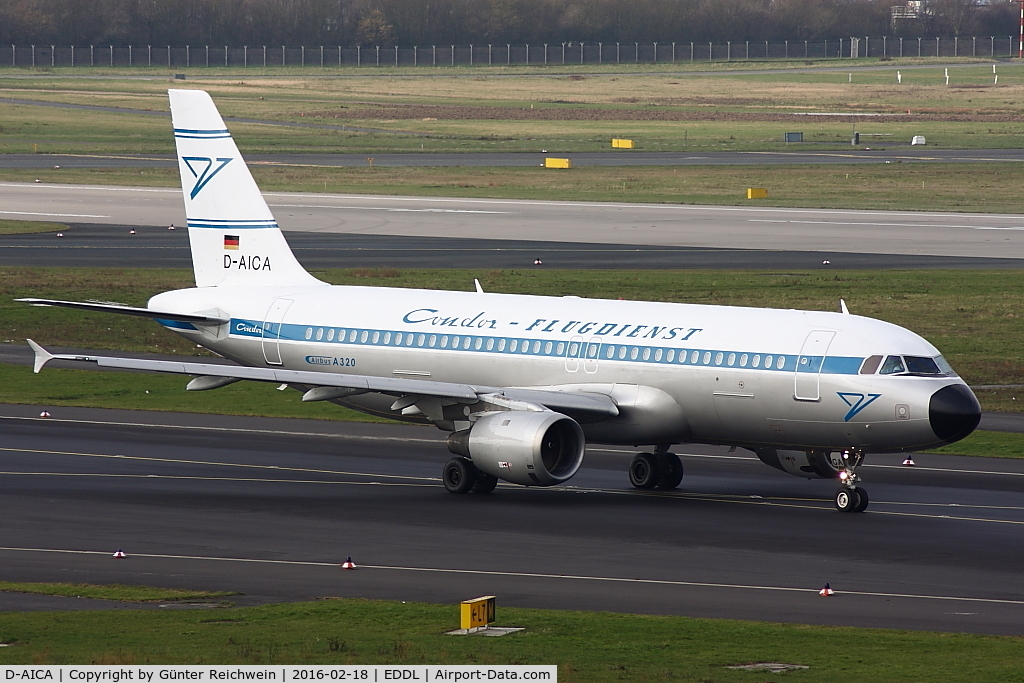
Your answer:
<point x="532" y="448"/>
<point x="809" y="464"/>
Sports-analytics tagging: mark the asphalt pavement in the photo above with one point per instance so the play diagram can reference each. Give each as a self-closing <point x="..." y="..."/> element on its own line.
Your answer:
<point x="271" y="507"/>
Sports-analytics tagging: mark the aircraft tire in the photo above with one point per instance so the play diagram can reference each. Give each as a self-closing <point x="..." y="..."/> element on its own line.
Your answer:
<point x="644" y="472"/>
<point x="862" y="500"/>
<point x="485" y="483"/>
<point x="671" y="471"/>
<point x="459" y="475"/>
<point x="847" y="499"/>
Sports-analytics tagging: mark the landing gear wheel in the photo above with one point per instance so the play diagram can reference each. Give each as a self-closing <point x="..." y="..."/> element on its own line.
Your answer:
<point x="671" y="471"/>
<point x="847" y="499"/>
<point x="644" y="472"/>
<point x="459" y="475"/>
<point x="485" y="483"/>
<point x="862" y="500"/>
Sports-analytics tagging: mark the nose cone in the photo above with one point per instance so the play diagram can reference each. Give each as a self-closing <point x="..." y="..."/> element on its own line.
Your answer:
<point x="954" y="412"/>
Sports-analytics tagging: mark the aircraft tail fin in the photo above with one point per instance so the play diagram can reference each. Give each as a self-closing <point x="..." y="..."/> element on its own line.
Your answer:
<point x="234" y="236"/>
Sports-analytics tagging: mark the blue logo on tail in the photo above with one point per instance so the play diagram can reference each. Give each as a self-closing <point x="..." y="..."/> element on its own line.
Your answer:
<point x="208" y="168"/>
<point x="857" y="402"/>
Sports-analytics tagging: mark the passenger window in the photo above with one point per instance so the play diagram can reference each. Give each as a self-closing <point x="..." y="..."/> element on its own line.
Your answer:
<point x="610" y="353"/>
<point x="671" y="356"/>
<point x="732" y="359"/>
<point x="756" y="361"/>
<point x="870" y="365"/>
<point x="647" y="354"/>
<point x="658" y="354"/>
<point x="330" y="335"/>
<point x="919" y="365"/>
<point x="743" y="361"/>
<point x="892" y="365"/>
<point x="319" y="333"/>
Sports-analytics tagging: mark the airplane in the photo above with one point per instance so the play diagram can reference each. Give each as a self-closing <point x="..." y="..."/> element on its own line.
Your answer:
<point x="524" y="383"/>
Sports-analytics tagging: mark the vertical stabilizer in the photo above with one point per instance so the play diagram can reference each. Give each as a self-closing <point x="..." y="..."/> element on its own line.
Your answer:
<point x="235" y="239"/>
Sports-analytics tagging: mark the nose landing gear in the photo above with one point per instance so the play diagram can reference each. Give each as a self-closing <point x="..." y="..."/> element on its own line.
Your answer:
<point x="850" y="497"/>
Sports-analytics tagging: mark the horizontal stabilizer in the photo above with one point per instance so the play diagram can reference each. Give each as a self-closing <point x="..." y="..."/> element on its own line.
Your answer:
<point x="128" y="310"/>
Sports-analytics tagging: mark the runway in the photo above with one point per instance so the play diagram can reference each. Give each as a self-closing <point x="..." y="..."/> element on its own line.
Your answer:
<point x="993" y="236"/>
<point x="893" y="152"/>
<point x="270" y="507"/>
<point x="114" y="246"/>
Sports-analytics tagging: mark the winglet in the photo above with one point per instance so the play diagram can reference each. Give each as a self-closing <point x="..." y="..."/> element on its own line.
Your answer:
<point x="42" y="356"/>
<point x="479" y="289"/>
<point x="842" y="308"/>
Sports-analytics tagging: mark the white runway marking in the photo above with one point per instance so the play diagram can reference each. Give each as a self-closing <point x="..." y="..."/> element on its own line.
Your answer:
<point x="527" y="575"/>
<point x="885" y="225"/>
<point x="339" y="207"/>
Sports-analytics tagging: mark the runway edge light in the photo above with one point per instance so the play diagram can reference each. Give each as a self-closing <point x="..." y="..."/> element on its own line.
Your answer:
<point x="826" y="591"/>
<point x="348" y="564"/>
<point x="120" y="554"/>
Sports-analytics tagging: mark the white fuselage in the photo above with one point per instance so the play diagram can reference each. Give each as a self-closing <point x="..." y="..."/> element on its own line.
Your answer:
<point x="678" y="372"/>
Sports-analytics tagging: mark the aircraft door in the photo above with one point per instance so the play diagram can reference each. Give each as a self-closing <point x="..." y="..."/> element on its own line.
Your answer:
<point x="807" y="378"/>
<point x="573" y="351"/>
<point x="591" y="355"/>
<point x="272" y="323"/>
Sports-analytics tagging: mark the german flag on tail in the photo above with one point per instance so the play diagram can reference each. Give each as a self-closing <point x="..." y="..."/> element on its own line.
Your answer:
<point x="231" y="242"/>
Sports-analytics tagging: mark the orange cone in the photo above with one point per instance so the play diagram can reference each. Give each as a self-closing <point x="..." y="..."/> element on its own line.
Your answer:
<point x="120" y="554"/>
<point x="348" y="564"/>
<point x="909" y="462"/>
<point x="826" y="591"/>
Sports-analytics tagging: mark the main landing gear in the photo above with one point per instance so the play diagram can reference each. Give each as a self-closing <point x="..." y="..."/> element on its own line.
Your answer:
<point x="461" y="476"/>
<point x="850" y="497"/>
<point x="660" y="469"/>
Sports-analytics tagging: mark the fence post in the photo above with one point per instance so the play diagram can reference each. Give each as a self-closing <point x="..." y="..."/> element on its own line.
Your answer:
<point x="321" y="55"/>
<point x="867" y="45"/>
<point x="33" y="55"/>
<point x="636" y="53"/>
<point x="149" y="57"/>
<point x="14" y="55"/>
<point x="992" y="46"/>
<point x="508" y="53"/>
<point x="600" y="52"/>
<point x="826" y="48"/>
<point x="918" y="47"/>
<point x="396" y="56"/>
<point x="616" y="52"/>
<point x="655" y="52"/>
<point x="490" y="54"/>
<point x="415" y="56"/>
<point x="378" y="56"/>
<point x="339" y="55"/>
<point x="72" y="55"/>
<point x="129" y="54"/>
<point x="546" y="53"/>
<point x="92" y="55"/>
<point x="528" y="53"/>
<point x="265" y="55"/>
<point x="956" y="45"/>
<point x="471" y="54"/>
<point x="359" y="55"/>
<point x="728" y="50"/>
<point x="673" y="52"/>
<point x="936" y="46"/>
<point x="453" y="55"/>
<point x="112" y="54"/>
<point x="901" y="47"/>
<point x="225" y="55"/>
<point x="710" y="51"/>
<point x="883" y="46"/>
<point x="747" y="57"/>
<point x="284" y="57"/>
<point x="974" y="46"/>
<point x="434" y="53"/>
<point x="806" y="53"/>
<point x="245" y="56"/>
<point x="766" y="49"/>
<point x="691" y="52"/>
<point x="303" y="53"/>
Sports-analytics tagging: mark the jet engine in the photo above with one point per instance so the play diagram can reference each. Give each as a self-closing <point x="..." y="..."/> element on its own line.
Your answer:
<point x="532" y="448"/>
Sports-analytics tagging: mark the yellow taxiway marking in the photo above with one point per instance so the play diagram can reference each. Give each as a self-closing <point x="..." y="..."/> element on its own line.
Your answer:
<point x="529" y="575"/>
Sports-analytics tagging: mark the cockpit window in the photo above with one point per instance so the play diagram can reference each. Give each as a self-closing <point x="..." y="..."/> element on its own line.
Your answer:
<point x="945" y="367"/>
<point x="892" y="365"/>
<point x="870" y="365"/>
<point x="919" y="365"/>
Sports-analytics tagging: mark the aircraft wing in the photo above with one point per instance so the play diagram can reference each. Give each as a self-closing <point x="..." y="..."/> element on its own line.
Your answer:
<point x="103" y="307"/>
<point x="595" y="404"/>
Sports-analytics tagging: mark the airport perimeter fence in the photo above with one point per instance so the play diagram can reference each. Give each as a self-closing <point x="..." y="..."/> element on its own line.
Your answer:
<point x="506" y="54"/>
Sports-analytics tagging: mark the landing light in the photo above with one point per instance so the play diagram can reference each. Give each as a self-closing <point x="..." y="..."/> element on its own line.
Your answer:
<point x="843" y="476"/>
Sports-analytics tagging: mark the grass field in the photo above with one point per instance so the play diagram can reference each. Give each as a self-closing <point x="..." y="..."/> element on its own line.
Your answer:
<point x="112" y="592"/>
<point x="502" y="109"/>
<point x="9" y="227"/>
<point x="973" y="316"/>
<point x="932" y="187"/>
<point x="585" y="646"/>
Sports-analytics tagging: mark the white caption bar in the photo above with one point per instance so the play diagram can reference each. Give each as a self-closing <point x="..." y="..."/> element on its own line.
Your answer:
<point x="277" y="673"/>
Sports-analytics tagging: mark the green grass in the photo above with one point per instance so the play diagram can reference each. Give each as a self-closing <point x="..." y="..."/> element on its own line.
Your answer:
<point x="500" y="109"/>
<point x="898" y="186"/>
<point x="586" y="646"/>
<point x="9" y="227"/>
<point x="987" y="444"/>
<point x="111" y="592"/>
<point x="973" y="316"/>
